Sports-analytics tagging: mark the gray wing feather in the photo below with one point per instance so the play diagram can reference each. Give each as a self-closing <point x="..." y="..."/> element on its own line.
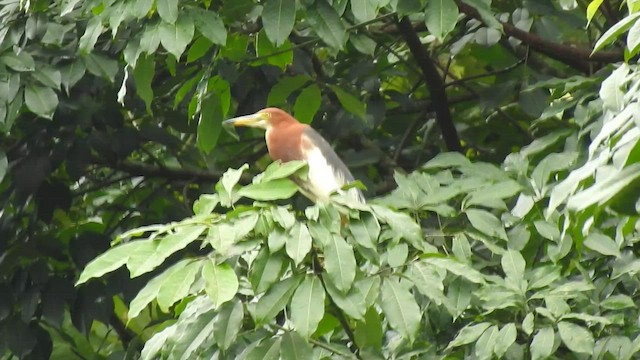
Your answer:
<point x="332" y="158"/>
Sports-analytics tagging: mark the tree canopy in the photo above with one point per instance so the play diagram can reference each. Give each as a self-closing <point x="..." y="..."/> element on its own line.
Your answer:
<point x="498" y="141"/>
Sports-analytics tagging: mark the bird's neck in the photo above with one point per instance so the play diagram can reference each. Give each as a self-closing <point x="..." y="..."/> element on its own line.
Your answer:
<point x="284" y="142"/>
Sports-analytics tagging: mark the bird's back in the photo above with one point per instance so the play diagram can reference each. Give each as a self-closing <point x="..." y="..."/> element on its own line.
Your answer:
<point x="327" y="172"/>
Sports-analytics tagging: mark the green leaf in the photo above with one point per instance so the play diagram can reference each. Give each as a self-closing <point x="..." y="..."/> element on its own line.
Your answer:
<point x="110" y="260"/>
<point x="307" y="104"/>
<point x="506" y="337"/>
<point x="228" y="323"/>
<point x="486" y="14"/>
<point x="441" y="17"/>
<point x="486" y="343"/>
<point x="4" y="164"/>
<point x="209" y="24"/>
<point x="91" y="33"/>
<point x="602" y="244"/>
<point x="486" y="222"/>
<point x="168" y="10"/>
<point x="278" y="17"/>
<point x="285" y="87"/>
<point x="369" y="331"/>
<point x="528" y="323"/>
<point x="427" y="280"/>
<point x="363" y="44"/>
<point x="41" y="100"/>
<point x="275" y="299"/>
<point x="209" y="122"/>
<point x="366" y="231"/>
<point x="457" y="268"/>
<point x="48" y="77"/>
<point x="299" y="244"/>
<point x="408" y="7"/>
<point x="614" y="32"/>
<point x="358" y="299"/>
<point x="404" y="227"/>
<point x="175" y="37"/>
<point x="364" y="10"/>
<point x="326" y="22"/>
<point x="199" y="48"/>
<point x="280" y="56"/>
<point x="221" y="282"/>
<point x="156" y="252"/>
<point x="576" y="338"/>
<point x="340" y="263"/>
<point x="150" y="39"/>
<point x="617" y="302"/>
<point x="268" y="349"/>
<point x="265" y="270"/>
<point x="143" y="76"/>
<point x="279" y="170"/>
<point x="307" y="306"/>
<point x="397" y="255"/>
<point x="469" y="334"/>
<point x="271" y="190"/>
<point x="101" y="66"/>
<point x="176" y="285"/>
<point x="542" y="344"/>
<point x="513" y="265"/>
<point x="446" y="160"/>
<point x="459" y="297"/>
<point x="141" y="8"/>
<point x="633" y="38"/>
<point x="604" y="190"/>
<point x="194" y="329"/>
<point x="276" y="240"/>
<point x="225" y="186"/>
<point x="349" y="102"/>
<point x="22" y="61"/>
<point x="592" y="9"/>
<point x="151" y="290"/>
<point x="283" y="216"/>
<point x="294" y="347"/>
<point x="400" y="308"/>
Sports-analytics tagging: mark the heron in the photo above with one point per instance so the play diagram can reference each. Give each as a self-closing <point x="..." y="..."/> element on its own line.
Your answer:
<point x="287" y="140"/>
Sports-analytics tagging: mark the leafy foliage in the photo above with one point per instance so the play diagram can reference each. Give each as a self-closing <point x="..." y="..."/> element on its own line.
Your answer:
<point x="112" y="155"/>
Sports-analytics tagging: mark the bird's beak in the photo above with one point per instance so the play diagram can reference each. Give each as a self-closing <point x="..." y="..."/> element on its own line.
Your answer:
<point x="258" y="119"/>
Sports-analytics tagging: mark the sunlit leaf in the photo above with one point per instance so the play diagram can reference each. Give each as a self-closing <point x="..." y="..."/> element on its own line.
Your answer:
<point x="326" y="22"/>
<point x="299" y="244"/>
<point x="275" y="299"/>
<point x="278" y="17"/>
<point x="307" y="306"/>
<point x="542" y="344"/>
<point x="221" y="282"/>
<point x="575" y="337"/>
<point x="400" y="308"/>
<point x="340" y="263"/>
<point x="441" y="17"/>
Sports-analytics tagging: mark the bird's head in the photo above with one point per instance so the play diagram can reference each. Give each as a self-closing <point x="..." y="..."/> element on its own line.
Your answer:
<point x="266" y="119"/>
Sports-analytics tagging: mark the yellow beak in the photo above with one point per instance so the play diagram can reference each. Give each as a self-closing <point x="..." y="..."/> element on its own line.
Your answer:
<point x="260" y="120"/>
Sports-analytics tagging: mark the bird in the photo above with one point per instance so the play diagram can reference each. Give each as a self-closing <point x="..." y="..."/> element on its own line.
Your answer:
<point x="287" y="140"/>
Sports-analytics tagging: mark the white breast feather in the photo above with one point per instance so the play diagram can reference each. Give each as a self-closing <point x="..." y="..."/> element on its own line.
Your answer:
<point x="323" y="178"/>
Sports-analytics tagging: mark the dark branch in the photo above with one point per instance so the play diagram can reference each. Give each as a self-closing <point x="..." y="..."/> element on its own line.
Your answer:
<point x="167" y="173"/>
<point x="434" y="83"/>
<point x="576" y="57"/>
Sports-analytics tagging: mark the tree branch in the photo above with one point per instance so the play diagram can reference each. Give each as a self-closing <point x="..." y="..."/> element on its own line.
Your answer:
<point x="167" y="173"/>
<point x="434" y="83"/>
<point x="576" y="57"/>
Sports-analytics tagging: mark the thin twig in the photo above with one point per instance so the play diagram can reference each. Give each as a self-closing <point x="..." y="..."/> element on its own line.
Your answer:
<point x="487" y="74"/>
<point x="317" y="40"/>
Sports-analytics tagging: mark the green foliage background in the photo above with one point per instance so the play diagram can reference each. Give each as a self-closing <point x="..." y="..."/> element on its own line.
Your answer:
<point x="498" y="140"/>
